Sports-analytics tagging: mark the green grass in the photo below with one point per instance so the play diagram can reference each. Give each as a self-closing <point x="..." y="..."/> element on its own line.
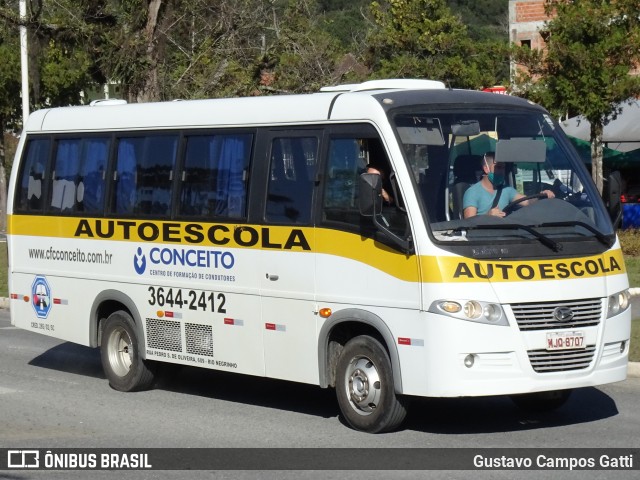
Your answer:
<point x="634" y="344"/>
<point x="633" y="270"/>
<point x="4" y="292"/>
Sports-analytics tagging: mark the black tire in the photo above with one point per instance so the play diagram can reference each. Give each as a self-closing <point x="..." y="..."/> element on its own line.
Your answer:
<point x="121" y="360"/>
<point x="364" y="387"/>
<point x="541" y="401"/>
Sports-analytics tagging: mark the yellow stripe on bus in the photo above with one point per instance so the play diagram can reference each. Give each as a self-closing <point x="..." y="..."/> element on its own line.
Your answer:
<point x="460" y="269"/>
<point x="433" y="269"/>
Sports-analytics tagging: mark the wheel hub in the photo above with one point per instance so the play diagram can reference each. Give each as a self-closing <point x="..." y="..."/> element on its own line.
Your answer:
<point x="120" y="352"/>
<point x="363" y="384"/>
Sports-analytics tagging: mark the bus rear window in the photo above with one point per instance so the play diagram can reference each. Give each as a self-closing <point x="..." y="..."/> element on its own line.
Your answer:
<point x="29" y="191"/>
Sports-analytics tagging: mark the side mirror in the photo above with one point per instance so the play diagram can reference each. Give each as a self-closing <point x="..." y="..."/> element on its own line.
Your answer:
<point x="370" y="203"/>
<point x="370" y="194"/>
<point x="611" y="197"/>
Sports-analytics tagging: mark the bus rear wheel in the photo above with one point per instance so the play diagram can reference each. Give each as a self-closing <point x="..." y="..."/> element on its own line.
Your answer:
<point x="364" y="387"/>
<point x="123" y="365"/>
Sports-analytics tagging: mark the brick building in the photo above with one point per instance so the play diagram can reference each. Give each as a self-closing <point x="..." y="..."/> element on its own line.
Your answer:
<point x="526" y="18"/>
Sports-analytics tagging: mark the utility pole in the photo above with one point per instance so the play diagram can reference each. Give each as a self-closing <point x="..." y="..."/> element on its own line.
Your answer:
<point x="24" y="61"/>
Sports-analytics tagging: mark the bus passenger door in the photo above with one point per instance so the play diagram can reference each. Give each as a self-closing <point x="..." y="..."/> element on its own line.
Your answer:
<point x="288" y="258"/>
<point x="360" y="268"/>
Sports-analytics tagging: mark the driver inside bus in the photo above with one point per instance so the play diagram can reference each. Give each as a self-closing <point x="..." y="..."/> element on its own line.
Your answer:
<point x="479" y="199"/>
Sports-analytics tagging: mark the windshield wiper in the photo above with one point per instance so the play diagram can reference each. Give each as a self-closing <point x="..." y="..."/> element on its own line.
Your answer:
<point x="602" y="238"/>
<point x="546" y="241"/>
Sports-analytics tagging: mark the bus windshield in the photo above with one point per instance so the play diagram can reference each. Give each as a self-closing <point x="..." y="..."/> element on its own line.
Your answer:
<point x="462" y="160"/>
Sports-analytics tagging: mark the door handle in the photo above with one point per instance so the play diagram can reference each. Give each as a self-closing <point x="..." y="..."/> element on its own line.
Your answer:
<point x="273" y="278"/>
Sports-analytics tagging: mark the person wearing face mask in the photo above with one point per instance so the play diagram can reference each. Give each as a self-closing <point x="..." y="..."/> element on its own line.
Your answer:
<point x="490" y="195"/>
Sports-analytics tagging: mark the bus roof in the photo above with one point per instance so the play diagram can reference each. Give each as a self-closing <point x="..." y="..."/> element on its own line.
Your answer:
<point x="364" y="101"/>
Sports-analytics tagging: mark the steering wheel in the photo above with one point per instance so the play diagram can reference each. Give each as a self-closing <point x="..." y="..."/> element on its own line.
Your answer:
<point x="518" y="201"/>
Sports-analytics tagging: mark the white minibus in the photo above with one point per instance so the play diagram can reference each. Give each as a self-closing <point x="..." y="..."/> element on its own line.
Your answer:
<point x="322" y="239"/>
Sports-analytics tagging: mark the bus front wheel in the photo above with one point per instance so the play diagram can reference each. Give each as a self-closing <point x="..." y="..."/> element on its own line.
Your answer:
<point x="364" y="387"/>
<point x="123" y="365"/>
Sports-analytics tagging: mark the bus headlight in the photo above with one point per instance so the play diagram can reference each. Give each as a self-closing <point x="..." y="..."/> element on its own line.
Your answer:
<point x="471" y="310"/>
<point x="618" y="303"/>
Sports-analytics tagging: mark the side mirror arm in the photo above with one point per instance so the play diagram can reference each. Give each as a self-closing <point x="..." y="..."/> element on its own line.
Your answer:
<point x="370" y="202"/>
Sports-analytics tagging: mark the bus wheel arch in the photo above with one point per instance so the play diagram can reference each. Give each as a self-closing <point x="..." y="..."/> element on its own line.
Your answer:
<point x="116" y="327"/>
<point x="344" y="325"/>
<point x="356" y="348"/>
<point x="105" y="304"/>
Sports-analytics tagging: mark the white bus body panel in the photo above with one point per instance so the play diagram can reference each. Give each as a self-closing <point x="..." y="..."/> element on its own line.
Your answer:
<point x="263" y="313"/>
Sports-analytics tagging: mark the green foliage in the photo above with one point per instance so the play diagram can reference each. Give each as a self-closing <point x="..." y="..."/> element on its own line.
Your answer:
<point x="592" y="46"/>
<point x="345" y="21"/>
<point x="630" y="241"/>
<point x="486" y="20"/>
<point x="4" y="289"/>
<point x="633" y="271"/>
<point x="10" y="100"/>
<point x="303" y="55"/>
<point x="424" y="39"/>
<point x="634" y="343"/>
<point x="65" y="73"/>
<point x="199" y="48"/>
<point x="11" y="145"/>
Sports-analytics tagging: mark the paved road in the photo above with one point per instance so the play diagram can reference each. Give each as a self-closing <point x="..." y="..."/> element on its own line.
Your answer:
<point x="53" y="395"/>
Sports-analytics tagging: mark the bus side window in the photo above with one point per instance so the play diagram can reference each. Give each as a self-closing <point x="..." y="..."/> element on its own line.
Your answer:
<point x="292" y="171"/>
<point x="214" y="176"/>
<point x="144" y="173"/>
<point x="91" y="186"/>
<point x="30" y="189"/>
<point x="347" y="160"/>
<point x="77" y="182"/>
<point x="65" y="170"/>
<point x="125" y="181"/>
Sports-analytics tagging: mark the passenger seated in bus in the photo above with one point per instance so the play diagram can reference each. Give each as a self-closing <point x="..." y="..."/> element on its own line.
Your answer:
<point x="386" y="184"/>
<point x="479" y="199"/>
<point x="378" y="163"/>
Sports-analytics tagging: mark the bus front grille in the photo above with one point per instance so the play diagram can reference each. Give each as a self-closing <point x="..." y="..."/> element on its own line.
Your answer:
<point x="544" y="361"/>
<point x="540" y="315"/>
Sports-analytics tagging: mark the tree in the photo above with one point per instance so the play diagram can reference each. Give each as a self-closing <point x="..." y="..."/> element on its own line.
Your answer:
<point x="592" y="47"/>
<point x="303" y="55"/>
<point x="60" y="65"/>
<point x="485" y="19"/>
<point x="217" y="49"/>
<point x="424" y="39"/>
<point x="10" y="106"/>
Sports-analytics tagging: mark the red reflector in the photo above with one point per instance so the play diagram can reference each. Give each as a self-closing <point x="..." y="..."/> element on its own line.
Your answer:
<point x="228" y="321"/>
<point x="270" y="326"/>
<point x="404" y="341"/>
<point x="56" y="301"/>
<point x="168" y="314"/>
<point x="14" y="296"/>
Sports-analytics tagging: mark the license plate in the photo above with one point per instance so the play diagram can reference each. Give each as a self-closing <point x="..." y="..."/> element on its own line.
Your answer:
<point x="565" y="340"/>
